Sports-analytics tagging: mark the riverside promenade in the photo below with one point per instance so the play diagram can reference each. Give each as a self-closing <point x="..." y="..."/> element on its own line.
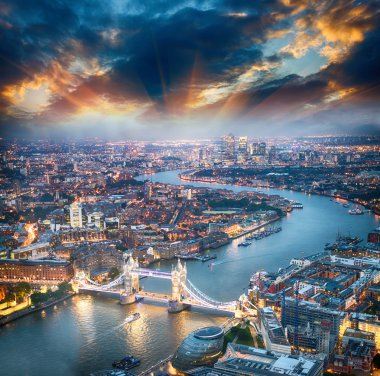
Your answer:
<point x="27" y="311"/>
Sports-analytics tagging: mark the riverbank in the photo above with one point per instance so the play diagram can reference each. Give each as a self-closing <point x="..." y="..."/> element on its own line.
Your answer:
<point x="255" y="228"/>
<point x="27" y="311"/>
<point x="91" y="326"/>
<point x="215" y="180"/>
<point x="227" y="326"/>
<point x="14" y="308"/>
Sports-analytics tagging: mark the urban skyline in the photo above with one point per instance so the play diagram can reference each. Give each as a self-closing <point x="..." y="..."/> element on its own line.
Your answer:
<point x="282" y="234"/>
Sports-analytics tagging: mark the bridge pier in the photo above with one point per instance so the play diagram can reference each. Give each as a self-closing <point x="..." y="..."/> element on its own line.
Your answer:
<point x="239" y="314"/>
<point x="131" y="282"/>
<point x="175" y="306"/>
<point x="179" y="276"/>
<point x="127" y="298"/>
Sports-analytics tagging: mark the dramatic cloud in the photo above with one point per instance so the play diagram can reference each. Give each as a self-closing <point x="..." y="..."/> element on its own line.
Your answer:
<point x="168" y="68"/>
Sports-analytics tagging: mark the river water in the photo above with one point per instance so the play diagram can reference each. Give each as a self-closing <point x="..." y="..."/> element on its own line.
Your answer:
<point x="87" y="333"/>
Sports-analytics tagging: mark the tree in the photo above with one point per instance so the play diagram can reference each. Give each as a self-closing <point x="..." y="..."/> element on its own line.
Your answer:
<point x="10" y="294"/>
<point x="114" y="272"/>
<point x="47" y="197"/>
<point x="376" y="361"/>
<point x="65" y="287"/>
<point x="22" y="289"/>
<point x="38" y="298"/>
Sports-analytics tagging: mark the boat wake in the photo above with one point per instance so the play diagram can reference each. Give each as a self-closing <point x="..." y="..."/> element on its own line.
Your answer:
<point x="236" y="260"/>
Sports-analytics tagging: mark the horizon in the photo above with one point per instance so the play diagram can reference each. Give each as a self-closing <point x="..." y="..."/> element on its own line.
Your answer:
<point x="53" y="139"/>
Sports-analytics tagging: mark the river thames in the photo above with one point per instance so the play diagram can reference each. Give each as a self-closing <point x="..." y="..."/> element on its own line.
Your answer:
<point x="86" y="333"/>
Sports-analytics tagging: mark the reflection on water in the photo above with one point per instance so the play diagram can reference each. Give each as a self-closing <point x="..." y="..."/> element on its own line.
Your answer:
<point x="305" y="231"/>
<point x="88" y="333"/>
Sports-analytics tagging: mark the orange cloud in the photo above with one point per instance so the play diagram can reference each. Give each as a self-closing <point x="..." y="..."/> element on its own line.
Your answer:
<point x="302" y="44"/>
<point x="331" y="28"/>
<point x="273" y="34"/>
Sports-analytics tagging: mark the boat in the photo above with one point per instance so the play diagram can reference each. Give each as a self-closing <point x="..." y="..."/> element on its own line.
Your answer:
<point x="126" y="363"/>
<point x="356" y="211"/>
<point x="187" y="255"/>
<point x="132" y="317"/>
<point x="296" y="205"/>
<point x="207" y="258"/>
<point x="348" y="239"/>
<point x="244" y="244"/>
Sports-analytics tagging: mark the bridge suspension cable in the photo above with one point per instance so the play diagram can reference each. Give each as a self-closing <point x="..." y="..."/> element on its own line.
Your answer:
<point x="192" y="291"/>
<point x="197" y="294"/>
<point x="248" y="308"/>
<point x="118" y="281"/>
<point x="197" y="299"/>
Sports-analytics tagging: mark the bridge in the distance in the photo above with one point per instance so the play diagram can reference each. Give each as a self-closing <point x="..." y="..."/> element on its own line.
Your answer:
<point x="184" y="293"/>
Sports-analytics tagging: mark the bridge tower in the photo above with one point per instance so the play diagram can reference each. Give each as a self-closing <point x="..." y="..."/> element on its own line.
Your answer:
<point x="179" y="278"/>
<point x="131" y="281"/>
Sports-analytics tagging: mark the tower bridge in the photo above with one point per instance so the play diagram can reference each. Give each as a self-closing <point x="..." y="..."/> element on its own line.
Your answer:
<point x="184" y="293"/>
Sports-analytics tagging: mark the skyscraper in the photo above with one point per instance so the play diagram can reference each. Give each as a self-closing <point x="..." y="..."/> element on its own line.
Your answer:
<point x="272" y="154"/>
<point x="255" y="148"/>
<point x="243" y="144"/>
<point x="262" y="148"/>
<point x="228" y="148"/>
<point x="203" y="156"/>
<point x="76" y="215"/>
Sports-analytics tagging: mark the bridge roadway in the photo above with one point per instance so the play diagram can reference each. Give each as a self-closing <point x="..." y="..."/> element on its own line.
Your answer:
<point x="153" y="273"/>
<point x="187" y="301"/>
<point x="153" y="296"/>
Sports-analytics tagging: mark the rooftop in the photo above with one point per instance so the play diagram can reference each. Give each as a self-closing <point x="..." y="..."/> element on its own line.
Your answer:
<point x="27" y="262"/>
<point x="210" y="332"/>
<point x="273" y="327"/>
<point x="243" y="359"/>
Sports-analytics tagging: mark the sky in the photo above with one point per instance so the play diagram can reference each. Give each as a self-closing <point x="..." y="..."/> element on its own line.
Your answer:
<point x="158" y="69"/>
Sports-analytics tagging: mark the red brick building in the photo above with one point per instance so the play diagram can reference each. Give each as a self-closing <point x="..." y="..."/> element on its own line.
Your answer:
<point x="38" y="271"/>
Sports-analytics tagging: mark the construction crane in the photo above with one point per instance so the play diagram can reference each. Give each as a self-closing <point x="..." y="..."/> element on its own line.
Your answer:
<point x="283" y="306"/>
<point x="296" y="323"/>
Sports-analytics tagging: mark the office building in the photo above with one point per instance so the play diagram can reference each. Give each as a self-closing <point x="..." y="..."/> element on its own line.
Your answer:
<point x="228" y="153"/>
<point x="202" y="347"/>
<point x="245" y="360"/>
<point x="76" y="213"/>
<point x="272" y="154"/>
<point x="262" y="148"/>
<point x="243" y="145"/>
<point x="315" y="317"/>
<point x="254" y="148"/>
<point x="272" y="331"/>
<point x="96" y="219"/>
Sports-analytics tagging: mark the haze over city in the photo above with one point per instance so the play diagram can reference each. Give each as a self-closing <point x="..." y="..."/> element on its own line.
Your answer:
<point x="183" y="69"/>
